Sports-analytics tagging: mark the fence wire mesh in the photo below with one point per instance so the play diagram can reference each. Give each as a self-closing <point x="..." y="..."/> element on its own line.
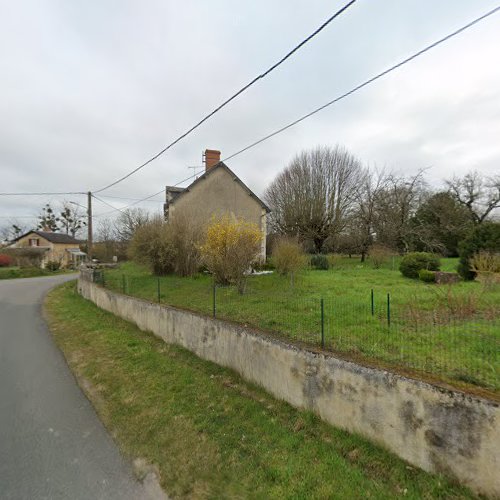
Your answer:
<point x="445" y="342"/>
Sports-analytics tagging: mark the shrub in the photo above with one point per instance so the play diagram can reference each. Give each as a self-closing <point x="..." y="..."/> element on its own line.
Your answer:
<point x="152" y="246"/>
<point x="168" y="247"/>
<point x="230" y="247"/>
<point x="488" y="262"/>
<point x="333" y="259"/>
<point x="320" y="261"/>
<point x="186" y="233"/>
<point x="457" y="305"/>
<point x="486" y="236"/>
<point x="288" y="257"/>
<point x="379" y="255"/>
<point x="5" y="260"/>
<point x="412" y="263"/>
<point x="486" y="265"/>
<point x="53" y="265"/>
<point x="24" y="256"/>
<point x="427" y="276"/>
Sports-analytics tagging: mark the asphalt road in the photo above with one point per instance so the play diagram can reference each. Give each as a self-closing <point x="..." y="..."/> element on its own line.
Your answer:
<point x="52" y="444"/>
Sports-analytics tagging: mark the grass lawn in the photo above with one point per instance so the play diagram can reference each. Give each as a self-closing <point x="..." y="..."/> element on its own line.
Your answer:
<point x="211" y="434"/>
<point x="7" y="273"/>
<point x="450" y="333"/>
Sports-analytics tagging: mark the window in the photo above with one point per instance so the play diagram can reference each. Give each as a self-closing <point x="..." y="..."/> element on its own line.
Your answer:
<point x="34" y="242"/>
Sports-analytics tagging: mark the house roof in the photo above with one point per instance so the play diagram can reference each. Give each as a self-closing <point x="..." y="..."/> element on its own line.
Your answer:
<point x="52" y="237"/>
<point x="179" y="192"/>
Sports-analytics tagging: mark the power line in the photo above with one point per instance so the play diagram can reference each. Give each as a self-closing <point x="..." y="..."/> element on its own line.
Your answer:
<point x="147" y="197"/>
<point x="127" y="206"/>
<point x="106" y="203"/>
<point x="41" y="194"/>
<point x="234" y="96"/>
<point x="282" y="129"/>
<point x="365" y="83"/>
<point x="129" y="199"/>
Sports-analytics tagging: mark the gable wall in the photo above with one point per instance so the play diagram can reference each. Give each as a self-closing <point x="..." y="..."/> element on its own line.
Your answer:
<point x="217" y="194"/>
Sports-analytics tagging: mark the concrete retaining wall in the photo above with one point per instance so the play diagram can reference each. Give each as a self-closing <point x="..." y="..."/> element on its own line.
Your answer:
<point x="432" y="428"/>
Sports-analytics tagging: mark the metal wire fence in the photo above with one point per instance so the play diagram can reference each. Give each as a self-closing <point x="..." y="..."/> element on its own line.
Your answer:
<point x="447" y="342"/>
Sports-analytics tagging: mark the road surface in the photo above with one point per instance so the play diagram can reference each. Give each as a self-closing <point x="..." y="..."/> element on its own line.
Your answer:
<point x="52" y="444"/>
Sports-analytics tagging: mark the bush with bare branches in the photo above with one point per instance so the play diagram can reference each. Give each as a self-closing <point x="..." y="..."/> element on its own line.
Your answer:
<point x="186" y="232"/>
<point x="288" y="257"/>
<point x="152" y="246"/>
<point x="379" y="255"/>
<point x="486" y="265"/>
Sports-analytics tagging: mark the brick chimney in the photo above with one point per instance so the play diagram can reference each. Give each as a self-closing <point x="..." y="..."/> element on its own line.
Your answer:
<point x="212" y="157"/>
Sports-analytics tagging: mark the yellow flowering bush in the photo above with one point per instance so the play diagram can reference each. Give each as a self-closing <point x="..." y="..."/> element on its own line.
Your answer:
<point x="229" y="248"/>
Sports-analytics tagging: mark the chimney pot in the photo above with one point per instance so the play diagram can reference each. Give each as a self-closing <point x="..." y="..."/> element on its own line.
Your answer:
<point x="212" y="157"/>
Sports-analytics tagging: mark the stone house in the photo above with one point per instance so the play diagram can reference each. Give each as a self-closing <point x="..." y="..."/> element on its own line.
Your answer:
<point x="216" y="192"/>
<point x="47" y="246"/>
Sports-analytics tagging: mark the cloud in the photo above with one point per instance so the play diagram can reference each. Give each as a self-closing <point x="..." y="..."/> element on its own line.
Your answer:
<point x="90" y="90"/>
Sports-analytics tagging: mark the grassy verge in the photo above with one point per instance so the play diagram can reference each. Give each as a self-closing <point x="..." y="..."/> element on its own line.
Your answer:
<point x="450" y="333"/>
<point x="9" y="273"/>
<point x="211" y="434"/>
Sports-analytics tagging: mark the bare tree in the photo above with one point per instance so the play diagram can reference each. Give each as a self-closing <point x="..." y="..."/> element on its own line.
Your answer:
<point x="314" y="195"/>
<point x="396" y="204"/>
<point x="367" y="197"/>
<point x="479" y="195"/>
<point x="48" y="220"/>
<point x="105" y="231"/>
<point x="71" y="219"/>
<point x="128" y="221"/>
<point x="12" y="230"/>
<point x="105" y="244"/>
<point x="439" y="224"/>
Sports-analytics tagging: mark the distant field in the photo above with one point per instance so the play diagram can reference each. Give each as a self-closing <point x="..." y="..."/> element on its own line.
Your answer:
<point x="448" y="332"/>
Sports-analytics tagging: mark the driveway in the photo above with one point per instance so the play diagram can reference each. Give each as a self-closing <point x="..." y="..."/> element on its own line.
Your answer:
<point x="52" y="444"/>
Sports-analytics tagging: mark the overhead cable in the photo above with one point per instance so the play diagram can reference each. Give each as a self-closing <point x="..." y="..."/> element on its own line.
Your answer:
<point x="234" y="96"/>
<point x="366" y="82"/>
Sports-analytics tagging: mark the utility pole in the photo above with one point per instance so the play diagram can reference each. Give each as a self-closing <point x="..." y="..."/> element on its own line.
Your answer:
<point x="89" y="226"/>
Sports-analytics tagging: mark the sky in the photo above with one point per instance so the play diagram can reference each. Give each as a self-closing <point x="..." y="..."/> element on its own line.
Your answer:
<point x="90" y="90"/>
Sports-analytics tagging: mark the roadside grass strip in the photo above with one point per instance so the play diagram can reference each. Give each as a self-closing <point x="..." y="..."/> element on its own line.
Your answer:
<point x="8" y="273"/>
<point x="209" y="433"/>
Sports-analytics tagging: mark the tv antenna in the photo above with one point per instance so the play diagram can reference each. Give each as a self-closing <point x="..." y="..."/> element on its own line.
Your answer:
<point x="195" y="167"/>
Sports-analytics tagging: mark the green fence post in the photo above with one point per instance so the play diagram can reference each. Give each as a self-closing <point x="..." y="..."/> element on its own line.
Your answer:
<point x="322" y="323"/>
<point x="373" y="304"/>
<point x="388" y="309"/>
<point x="159" y="290"/>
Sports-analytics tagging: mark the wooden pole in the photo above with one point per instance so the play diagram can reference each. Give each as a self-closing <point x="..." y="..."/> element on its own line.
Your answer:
<point x="89" y="227"/>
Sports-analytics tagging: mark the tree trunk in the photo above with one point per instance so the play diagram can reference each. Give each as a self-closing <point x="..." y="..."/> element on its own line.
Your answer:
<point x="318" y="244"/>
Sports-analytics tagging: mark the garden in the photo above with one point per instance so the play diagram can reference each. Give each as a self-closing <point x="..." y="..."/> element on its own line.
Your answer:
<point x="448" y="333"/>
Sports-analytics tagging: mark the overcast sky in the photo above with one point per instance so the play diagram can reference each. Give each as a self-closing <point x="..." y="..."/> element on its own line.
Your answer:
<point x="91" y="89"/>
